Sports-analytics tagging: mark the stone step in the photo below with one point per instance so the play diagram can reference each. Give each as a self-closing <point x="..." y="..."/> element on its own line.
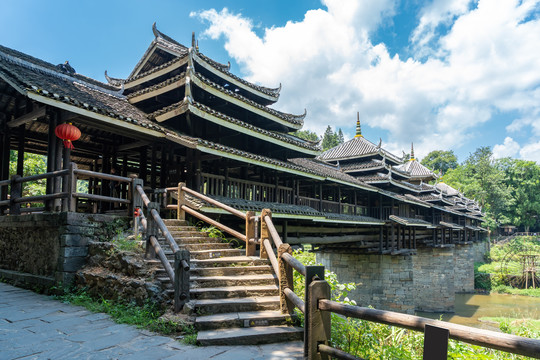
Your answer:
<point x="227" y="270"/>
<point x="234" y="280"/>
<point x="243" y="320"/>
<point x="175" y="222"/>
<point x="181" y="228"/>
<point x="216" y="306"/>
<point x="189" y="233"/>
<point x="250" y="336"/>
<point x="215" y="254"/>
<point x="229" y="261"/>
<point x="231" y="270"/>
<point x="191" y="240"/>
<point x="198" y="247"/>
<point x="225" y="292"/>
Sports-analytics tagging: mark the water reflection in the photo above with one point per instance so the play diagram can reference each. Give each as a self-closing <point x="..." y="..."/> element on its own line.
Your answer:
<point x="469" y="308"/>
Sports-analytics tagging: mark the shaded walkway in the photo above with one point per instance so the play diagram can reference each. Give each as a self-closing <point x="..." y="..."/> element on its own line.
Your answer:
<point x="34" y="326"/>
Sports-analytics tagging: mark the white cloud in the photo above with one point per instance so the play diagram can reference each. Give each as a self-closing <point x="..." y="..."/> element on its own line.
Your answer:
<point x="488" y="61"/>
<point x="531" y="152"/>
<point x="507" y="149"/>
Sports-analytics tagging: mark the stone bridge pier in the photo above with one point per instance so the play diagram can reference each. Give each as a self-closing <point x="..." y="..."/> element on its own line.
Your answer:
<point x="427" y="281"/>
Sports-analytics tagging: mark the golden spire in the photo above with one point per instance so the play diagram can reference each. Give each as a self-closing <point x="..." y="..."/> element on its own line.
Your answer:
<point x="358" y="128"/>
<point x="412" y="152"/>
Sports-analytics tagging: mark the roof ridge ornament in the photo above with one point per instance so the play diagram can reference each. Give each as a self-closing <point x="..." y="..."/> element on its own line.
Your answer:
<point x="412" y="152"/>
<point x="380" y="143"/>
<point x="358" y="127"/>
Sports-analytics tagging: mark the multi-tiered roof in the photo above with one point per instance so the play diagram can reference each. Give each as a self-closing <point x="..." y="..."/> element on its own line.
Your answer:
<point x="185" y="90"/>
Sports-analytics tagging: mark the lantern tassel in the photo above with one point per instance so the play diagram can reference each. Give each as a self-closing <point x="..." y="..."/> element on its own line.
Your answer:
<point x="68" y="144"/>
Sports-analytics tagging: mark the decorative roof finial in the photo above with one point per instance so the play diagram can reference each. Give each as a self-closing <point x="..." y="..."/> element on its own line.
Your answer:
<point x="358" y="128"/>
<point x="380" y="143"/>
<point x="412" y="152"/>
<point x="193" y="43"/>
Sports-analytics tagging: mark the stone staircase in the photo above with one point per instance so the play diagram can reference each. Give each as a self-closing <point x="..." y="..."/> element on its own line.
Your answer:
<point x="235" y="297"/>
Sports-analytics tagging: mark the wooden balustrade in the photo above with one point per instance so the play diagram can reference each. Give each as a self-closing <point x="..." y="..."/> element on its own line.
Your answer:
<point x="317" y="308"/>
<point x="68" y="195"/>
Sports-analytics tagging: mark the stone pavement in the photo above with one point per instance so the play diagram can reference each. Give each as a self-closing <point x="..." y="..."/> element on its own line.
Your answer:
<point x="34" y="326"/>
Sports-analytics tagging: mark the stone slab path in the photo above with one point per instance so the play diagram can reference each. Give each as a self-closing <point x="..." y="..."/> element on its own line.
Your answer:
<point x="34" y="326"/>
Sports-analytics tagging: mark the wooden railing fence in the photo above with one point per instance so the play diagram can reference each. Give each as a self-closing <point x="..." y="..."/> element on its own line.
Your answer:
<point x="153" y="224"/>
<point x="67" y="194"/>
<point x="317" y="306"/>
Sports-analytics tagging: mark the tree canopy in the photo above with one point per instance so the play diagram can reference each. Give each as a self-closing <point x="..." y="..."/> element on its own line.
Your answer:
<point x="507" y="189"/>
<point x="440" y="160"/>
<point x="332" y="139"/>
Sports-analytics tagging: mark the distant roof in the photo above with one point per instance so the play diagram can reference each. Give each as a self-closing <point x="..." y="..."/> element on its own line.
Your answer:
<point x="416" y="170"/>
<point x="357" y="147"/>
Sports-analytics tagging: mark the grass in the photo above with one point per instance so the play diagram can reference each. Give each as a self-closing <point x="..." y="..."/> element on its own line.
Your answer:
<point x="144" y="317"/>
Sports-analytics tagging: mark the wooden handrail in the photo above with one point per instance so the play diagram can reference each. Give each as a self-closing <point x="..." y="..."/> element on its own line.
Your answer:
<point x="101" y="198"/>
<point x="162" y="257"/>
<point x="295" y="299"/>
<point x="336" y="353"/>
<point x="485" y="338"/>
<point x="102" y="175"/>
<point x="294" y="263"/>
<point x="232" y="210"/>
<point x="271" y="255"/>
<point x="220" y="226"/>
<point x="273" y="232"/>
<point x="164" y="230"/>
<point x="144" y="197"/>
<point x="40" y="198"/>
<point x="42" y="176"/>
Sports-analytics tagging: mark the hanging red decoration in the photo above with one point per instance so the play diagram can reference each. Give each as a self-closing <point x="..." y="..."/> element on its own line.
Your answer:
<point x="68" y="133"/>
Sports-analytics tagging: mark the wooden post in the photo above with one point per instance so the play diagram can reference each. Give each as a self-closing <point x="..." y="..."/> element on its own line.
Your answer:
<point x="265" y="234"/>
<point x="250" y="234"/>
<point x="135" y="197"/>
<point x="181" y="279"/>
<point x="51" y="157"/>
<point x="286" y="280"/>
<point x="71" y="201"/>
<point x="181" y="214"/>
<point x="16" y="192"/>
<point x="151" y="230"/>
<point x="435" y="343"/>
<point x="317" y="328"/>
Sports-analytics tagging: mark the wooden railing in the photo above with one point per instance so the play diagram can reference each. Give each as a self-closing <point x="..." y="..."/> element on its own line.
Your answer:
<point x="67" y="194"/>
<point x="153" y="224"/>
<point x="317" y="308"/>
<point x="182" y="207"/>
<point x="244" y="189"/>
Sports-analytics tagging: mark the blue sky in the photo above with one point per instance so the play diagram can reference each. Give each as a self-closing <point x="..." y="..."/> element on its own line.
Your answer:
<point x="444" y="74"/>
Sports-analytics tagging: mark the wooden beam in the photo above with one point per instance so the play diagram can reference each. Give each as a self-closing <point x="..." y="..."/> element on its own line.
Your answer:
<point x="133" y="145"/>
<point x="31" y="116"/>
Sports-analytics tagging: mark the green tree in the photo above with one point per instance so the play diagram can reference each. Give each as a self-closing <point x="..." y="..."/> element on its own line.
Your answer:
<point x="440" y="160"/>
<point x="306" y="135"/>
<point x="340" y="137"/>
<point x="481" y="177"/>
<point x="330" y="139"/>
<point x="33" y="164"/>
<point x="523" y="180"/>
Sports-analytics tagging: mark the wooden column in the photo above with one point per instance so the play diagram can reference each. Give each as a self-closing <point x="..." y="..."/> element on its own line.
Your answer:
<point x="163" y="167"/>
<point x="153" y="166"/>
<point x="143" y="159"/>
<point x="51" y="155"/>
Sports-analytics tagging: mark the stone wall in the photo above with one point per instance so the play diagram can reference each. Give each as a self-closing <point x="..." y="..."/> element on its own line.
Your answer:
<point x="426" y="281"/>
<point x="434" y="279"/>
<point x="50" y="245"/>
<point x="384" y="282"/>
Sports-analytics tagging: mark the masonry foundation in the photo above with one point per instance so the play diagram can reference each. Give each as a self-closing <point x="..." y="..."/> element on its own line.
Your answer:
<point x="426" y="281"/>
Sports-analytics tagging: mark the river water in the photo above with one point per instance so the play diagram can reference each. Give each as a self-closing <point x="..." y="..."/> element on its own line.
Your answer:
<point x="469" y="308"/>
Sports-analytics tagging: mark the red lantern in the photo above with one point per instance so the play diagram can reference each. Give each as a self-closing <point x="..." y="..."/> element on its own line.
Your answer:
<point x="68" y="133"/>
